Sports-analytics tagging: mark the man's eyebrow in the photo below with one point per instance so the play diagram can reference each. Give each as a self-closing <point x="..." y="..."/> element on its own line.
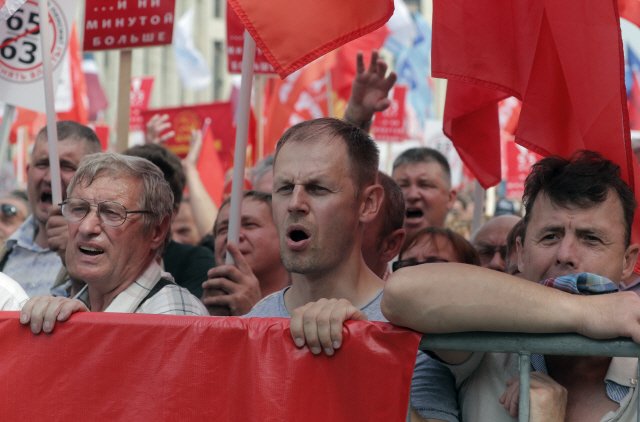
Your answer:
<point x="592" y="231"/>
<point x="551" y="228"/>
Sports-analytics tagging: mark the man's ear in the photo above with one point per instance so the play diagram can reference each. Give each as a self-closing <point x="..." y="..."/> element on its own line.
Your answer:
<point x="520" y="250"/>
<point x="371" y="203"/>
<point x="630" y="258"/>
<point x="453" y="195"/>
<point x="392" y="245"/>
<point x="159" y="232"/>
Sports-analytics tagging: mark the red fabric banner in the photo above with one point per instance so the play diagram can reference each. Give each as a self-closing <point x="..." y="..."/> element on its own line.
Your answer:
<point x="292" y="34"/>
<point x="156" y="367"/>
<point x="562" y="59"/>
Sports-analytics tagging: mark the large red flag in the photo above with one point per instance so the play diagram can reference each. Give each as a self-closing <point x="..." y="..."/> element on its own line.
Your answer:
<point x="106" y="366"/>
<point x="562" y="59"/>
<point x="292" y="34"/>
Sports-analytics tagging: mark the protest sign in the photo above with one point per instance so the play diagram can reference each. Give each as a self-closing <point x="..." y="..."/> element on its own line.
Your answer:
<point x="389" y="125"/>
<point x="140" y="95"/>
<point x="125" y="24"/>
<point x="21" y="72"/>
<point x="235" y="40"/>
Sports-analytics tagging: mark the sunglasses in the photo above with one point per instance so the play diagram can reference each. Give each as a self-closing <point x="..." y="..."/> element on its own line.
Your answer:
<point x="411" y="262"/>
<point x="487" y="252"/>
<point x="8" y="210"/>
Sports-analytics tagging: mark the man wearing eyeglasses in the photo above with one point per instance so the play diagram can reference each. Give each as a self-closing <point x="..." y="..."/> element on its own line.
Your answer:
<point x="31" y="254"/>
<point x="118" y="212"/>
<point x="491" y="241"/>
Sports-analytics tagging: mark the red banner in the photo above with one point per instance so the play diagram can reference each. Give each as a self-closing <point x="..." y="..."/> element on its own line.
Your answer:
<point x="139" y="101"/>
<point x="221" y="115"/>
<point x="120" y="24"/>
<point x="389" y="125"/>
<point x="155" y="367"/>
<point x="235" y="44"/>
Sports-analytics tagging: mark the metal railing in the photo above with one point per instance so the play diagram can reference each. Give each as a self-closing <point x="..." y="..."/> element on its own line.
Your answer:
<point x="525" y="345"/>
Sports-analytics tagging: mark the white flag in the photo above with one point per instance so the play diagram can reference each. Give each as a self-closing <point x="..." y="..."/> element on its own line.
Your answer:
<point x="192" y="68"/>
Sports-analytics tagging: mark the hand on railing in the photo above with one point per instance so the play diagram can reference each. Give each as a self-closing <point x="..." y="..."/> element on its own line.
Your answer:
<point x="548" y="399"/>
<point x="319" y="324"/>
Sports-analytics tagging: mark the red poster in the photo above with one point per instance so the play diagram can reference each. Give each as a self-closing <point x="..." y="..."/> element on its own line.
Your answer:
<point x="139" y="101"/>
<point x="102" y="130"/>
<point x="235" y="43"/>
<point x="221" y="116"/>
<point x="519" y="162"/>
<point x="389" y="125"/>
<point x="124" y="24"/>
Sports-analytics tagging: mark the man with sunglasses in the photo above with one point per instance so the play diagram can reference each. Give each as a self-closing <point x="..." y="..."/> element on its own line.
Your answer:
<point x="118" y="212"/>
<point x="491" y="241"/>
<point x="14" y="209"/>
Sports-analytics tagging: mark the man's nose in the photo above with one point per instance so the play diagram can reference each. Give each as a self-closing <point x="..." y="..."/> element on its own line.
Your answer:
<point x="411" y="192"/>
<point x="567" y="252"/>
<point x="298" y="201"/>
<point x="91" y="222"/>
<point x="497" y="262"/>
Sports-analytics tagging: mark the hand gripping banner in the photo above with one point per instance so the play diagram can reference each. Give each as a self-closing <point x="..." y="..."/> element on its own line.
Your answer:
<point x="101" y="366"/>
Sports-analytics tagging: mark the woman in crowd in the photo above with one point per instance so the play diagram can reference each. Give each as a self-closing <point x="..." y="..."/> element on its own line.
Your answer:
<point x="435" y="244"/>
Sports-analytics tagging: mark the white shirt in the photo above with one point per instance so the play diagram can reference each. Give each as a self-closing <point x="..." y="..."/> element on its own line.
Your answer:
<point x="12" y="296"/>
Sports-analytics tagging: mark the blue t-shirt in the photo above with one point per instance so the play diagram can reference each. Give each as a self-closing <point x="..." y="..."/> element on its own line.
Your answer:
<point x="433" y="390"/>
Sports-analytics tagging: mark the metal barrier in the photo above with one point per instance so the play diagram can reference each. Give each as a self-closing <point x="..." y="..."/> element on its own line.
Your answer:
<point x="525" y="345"/>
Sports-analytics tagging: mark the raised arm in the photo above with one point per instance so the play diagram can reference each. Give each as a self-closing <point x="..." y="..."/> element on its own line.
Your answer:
<point x="369" y="91"/>
<point x="447" y="298"/>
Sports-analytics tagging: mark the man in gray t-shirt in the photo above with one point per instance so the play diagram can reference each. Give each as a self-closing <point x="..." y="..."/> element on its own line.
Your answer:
<point x="324" y="192"/>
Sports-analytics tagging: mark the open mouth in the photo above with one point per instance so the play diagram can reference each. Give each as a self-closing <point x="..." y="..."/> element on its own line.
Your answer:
<point x="298" y="235"/>
<point x="87" y="250"/>
<point x="414" y="213"/>
<point x="46" y="198"/>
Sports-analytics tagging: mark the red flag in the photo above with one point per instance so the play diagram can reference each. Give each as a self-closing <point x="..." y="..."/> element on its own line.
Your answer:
<point x="111" y="366"/>
<point x="630" y="10"/>
<point x="292" y="34"/>
<point x="79" y="111"/>
<point x="210" y="167"/>
<point x="301" y="96"/>
<point x="562" y="59"/>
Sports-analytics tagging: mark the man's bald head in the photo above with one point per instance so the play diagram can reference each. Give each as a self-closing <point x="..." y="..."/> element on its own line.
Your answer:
<point x="491" y="241"/>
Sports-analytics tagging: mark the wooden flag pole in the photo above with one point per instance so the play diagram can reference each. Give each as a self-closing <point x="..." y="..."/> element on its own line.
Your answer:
<point x="242" y="133"/>
<point x="52" y="130"/>
<point x="124" y="98"/>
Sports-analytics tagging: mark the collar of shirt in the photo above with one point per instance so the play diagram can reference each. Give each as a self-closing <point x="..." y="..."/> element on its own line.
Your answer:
<point x="129" y="299"/>
<point x="621" y="375"/>
<point x="25" y="235"/>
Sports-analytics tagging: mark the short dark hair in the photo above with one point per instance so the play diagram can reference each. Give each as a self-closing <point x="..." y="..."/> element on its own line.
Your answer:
<point x="424" y="155"/>
<point x="465" y="252"/>
<point x="585" y="179"/>
<point x="392" y="206"/>
<point x="70" y="130"/>
<point x="168" y="162"/>
<point x="256" y="195"/>
<point x="515" y="232"/>
<point x="362" y="151"/>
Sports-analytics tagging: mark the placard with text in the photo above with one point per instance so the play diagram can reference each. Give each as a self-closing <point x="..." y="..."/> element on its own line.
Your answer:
<point x="125" y="24"/>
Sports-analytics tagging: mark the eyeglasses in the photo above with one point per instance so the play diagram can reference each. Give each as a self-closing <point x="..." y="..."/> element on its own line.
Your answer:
<point x="487" y="252"/>
<point x="111" y="213"/>
<point x="8" y="210"/>
<point x="411" y="262"/>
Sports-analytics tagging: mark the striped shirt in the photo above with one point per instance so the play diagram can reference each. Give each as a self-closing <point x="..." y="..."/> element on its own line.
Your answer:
<point x="170" y="300"/>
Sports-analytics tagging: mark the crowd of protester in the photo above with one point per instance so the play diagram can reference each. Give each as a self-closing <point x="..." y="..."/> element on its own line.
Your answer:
<point x="326" y="237"/>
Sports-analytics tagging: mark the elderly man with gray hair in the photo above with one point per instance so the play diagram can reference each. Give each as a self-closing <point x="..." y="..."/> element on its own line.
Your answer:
<point x="118" y="211"/>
